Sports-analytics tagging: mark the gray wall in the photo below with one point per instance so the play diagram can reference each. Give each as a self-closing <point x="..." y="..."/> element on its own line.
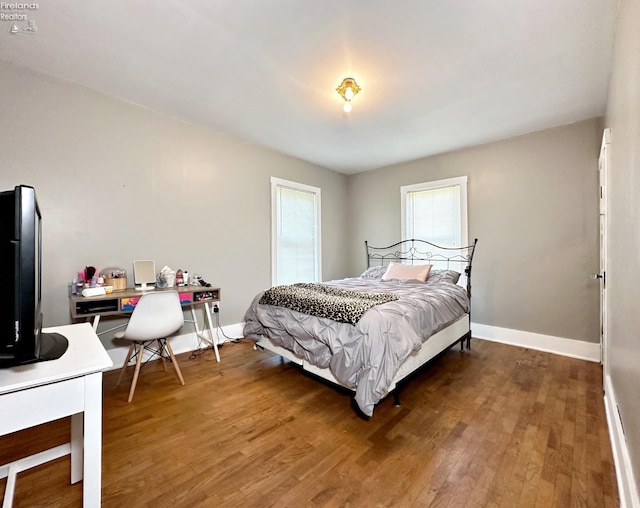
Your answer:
<point x="116" y="182"/>
<point x="533" y="207"/>
<point x="623" y="117"/>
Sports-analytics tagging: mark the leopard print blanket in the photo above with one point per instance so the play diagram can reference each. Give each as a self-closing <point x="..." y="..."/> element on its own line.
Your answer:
<point x="341" y="305"/>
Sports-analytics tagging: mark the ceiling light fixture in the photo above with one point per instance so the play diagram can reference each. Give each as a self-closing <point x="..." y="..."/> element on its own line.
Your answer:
<point x="348" y="90"/>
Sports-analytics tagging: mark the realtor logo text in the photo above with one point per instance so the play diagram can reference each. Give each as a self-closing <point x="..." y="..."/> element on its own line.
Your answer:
<point x="18" y="7"/>
<point x="10" y="11"/>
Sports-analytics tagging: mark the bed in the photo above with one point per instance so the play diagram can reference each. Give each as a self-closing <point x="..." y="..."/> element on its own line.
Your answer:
<point x="369" y="333"/>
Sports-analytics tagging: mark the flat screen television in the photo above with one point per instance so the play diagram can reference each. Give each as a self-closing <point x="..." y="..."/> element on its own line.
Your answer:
<point x="21" y="338"/>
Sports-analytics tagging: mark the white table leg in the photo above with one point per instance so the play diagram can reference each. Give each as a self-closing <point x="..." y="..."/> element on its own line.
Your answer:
<point x="77" y="435"/>
<point x="10" y="471"/>
<point x="91" y="489"/>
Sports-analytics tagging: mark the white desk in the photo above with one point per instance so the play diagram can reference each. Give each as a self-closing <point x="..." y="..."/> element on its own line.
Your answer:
<point x="42" y="392"/>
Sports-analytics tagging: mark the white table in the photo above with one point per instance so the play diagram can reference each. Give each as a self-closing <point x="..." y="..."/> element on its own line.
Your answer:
<point x="45" y="391"/>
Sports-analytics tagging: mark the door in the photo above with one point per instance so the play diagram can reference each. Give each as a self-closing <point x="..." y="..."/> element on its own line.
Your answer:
<point x="603" y="166"/>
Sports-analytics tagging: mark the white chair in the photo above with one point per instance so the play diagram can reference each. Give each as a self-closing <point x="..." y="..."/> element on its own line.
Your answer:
<point x="156" y="316"/>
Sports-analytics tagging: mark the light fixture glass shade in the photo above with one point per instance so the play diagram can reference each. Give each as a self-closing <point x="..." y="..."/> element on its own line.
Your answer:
<point x="348" y="89"/>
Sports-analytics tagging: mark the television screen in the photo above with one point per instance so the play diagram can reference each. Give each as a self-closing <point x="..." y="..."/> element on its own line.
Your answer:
<point x="21" y="337"/>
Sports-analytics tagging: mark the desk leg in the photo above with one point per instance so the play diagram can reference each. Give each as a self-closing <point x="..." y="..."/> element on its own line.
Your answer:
<point x="195" y="320"/>
<point x="96" y="322"/>
<point x="77" y="431"/>
<point x="207" y="311"/>
<point x="92" y="466"/>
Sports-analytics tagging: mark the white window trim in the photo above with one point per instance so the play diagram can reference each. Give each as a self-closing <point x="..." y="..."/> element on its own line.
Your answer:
<point x="279" y="182"/>
<point x="437" y="184"/>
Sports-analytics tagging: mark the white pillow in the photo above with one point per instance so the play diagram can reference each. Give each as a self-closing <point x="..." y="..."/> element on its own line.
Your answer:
<point x="406" y="272"/>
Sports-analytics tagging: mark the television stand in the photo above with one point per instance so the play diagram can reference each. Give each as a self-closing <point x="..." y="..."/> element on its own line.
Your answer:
<point x="52" y="346"/>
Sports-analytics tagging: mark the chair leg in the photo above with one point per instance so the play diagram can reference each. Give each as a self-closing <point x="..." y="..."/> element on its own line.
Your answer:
<point x="126" y="363"/>
<point x="163" y="358"/>
<point x="136" y="372"/>
<point x="174" y="361"/>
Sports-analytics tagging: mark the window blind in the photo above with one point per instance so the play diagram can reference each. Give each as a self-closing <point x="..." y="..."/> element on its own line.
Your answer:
<point x="434" y="215"/>
<point x="296" y="236"/>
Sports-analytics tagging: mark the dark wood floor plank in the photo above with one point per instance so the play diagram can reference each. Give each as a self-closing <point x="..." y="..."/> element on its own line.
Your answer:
<point x="495" y="426"/>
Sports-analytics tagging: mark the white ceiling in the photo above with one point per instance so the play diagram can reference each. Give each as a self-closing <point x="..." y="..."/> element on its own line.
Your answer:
<point x="436" y="75"/>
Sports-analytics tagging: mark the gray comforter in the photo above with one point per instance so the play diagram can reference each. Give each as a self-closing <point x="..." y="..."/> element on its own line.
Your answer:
<point x="365" y="356"/>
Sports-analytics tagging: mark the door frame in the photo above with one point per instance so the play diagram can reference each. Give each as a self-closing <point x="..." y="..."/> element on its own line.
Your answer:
<point x="604" y="164"/>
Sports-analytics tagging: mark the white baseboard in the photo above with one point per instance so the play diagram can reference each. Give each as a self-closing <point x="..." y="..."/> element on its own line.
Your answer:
<point x="627" y="488"/>
<point x="566" y="347"/>
<point x="184" y="343"/>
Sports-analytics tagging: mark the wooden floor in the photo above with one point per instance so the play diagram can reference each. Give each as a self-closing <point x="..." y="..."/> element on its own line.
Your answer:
<point x="494" y="426"/>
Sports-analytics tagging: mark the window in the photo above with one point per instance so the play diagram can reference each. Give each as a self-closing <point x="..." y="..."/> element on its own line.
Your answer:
<point x="295" y="232"/>
<point x="436" y="212"/>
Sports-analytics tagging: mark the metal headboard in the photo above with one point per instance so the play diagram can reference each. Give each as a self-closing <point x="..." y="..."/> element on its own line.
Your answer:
<point x="420" y="251"/>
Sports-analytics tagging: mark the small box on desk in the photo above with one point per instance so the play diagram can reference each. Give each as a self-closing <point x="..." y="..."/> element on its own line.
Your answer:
<point x="115" y="277"/>
<point x="119" y="284"/>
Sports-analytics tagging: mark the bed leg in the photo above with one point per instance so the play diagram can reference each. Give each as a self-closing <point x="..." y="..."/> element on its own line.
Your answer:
<point x="462" y="344"/>
<point x="469" y="339"/>
<point x="396" y="398"/>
